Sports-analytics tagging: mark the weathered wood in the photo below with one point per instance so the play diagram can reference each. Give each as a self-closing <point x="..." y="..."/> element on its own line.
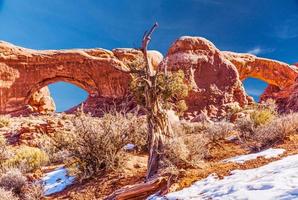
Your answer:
<point x="157" y="119"/>
<point x="141" y="191"/>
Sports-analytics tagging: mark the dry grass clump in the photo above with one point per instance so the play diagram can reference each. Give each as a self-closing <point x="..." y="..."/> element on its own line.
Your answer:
<point x="185" y="128"/>
<point x="4" y="121"/>
<point x="33" y="191"/>
<point x="56" y="153"/>
<point x="257" y="115"/>
<point x="277" y="130"/>
<point x="192" y="143"/>
<point x="218" y="131"/>
<point x="16" y="184"/>
<point x="13" y="180"/>
<point x="96" y="144"/>
<point x="263" y="113"/>
<point x="7" y="195"/>
<point x="262" y="116"/>
<point x="27" y="159"/>
<point x="4" y="153"/>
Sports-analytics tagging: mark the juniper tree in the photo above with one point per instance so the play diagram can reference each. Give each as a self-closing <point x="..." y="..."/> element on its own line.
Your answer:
<point x="157" y="90"/>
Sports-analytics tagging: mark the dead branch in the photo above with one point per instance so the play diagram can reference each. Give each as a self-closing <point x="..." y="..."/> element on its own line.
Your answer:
<point x="141" y="191"/>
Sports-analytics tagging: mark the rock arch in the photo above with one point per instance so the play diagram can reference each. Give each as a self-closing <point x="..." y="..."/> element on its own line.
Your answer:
<point x="215" y="76"/>
<point x="24" y="72"/>
<point x="273" y="72"/>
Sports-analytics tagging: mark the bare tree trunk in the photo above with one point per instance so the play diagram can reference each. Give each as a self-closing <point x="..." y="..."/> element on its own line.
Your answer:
<point x="159" y="129"/>
<point x="158" y="124"/>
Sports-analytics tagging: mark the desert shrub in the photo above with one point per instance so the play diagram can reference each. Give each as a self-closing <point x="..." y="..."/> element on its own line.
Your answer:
<point x="4" y="152"/>
<point x="7" y="195"/>
<point x="13" y="180"/>
<point x="55" y="153"/>
<point x="186" y="128"/>
<point x="187" y="148"/>
<point x="33" y="191"/>
<point x="198" y="147"/>
<point x="261" y="116"/>
<point x="218" y="131"/>
<point x="96" y="144"/>
<point x="176" y="152"/>
<point x="246" y="128"/>
<point x="183" y="152"/>
<point x="4" y="121"/>
<point x="263" y="113"/>
<point x="277" y="130"/>
<point x="257" y="115"/>
<point x="137" y="131"/>
<point x="27" y="159"/>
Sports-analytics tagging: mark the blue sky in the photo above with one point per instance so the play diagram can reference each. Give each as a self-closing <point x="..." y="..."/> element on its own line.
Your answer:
<point x="268" y="28"/>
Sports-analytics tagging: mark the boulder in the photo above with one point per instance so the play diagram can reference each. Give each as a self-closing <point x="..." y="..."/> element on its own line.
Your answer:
<point x="42" y="102"/>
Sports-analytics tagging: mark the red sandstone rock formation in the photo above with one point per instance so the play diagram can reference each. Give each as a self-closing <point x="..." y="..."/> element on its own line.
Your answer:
<point x="24" y="72"/>
<point x="42" y="102"/>
<point x="215" y="81"/>
<point x="286" y="98"/>
<point x="270" y="71"/>
<point x="280" y="76"/>
<point x="215" y="76"/>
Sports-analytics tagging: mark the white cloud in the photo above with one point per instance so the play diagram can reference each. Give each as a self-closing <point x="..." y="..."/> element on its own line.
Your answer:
<point x="258" y="50"/>
<point x="255" y="51"/>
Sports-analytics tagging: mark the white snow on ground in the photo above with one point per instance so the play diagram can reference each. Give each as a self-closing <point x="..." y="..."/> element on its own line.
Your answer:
<point x="129" y="147"/>
<point x="276" y="180"/>
<point x="269" y="153"/>
<point x="56" y="181"/>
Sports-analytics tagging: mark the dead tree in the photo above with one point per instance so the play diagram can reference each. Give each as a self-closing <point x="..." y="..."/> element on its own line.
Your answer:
<point x="158" y="124"/>
<point x="154" y="86"/>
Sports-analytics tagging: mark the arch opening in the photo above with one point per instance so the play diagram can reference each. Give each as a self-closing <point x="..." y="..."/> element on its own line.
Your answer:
<point x="254" y="87"/>
<point x="66" y="95"/>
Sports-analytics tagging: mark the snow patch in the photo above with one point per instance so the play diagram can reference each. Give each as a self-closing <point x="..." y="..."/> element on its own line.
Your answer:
<point x="269" y="153"/>
<point x="129" y="147"/>
<point x="56" y="181"/>
<point x="276" y="180"/>
<point x="173" y="118"/>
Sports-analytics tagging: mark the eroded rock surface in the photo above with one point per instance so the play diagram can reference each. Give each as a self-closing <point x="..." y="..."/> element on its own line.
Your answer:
<point x="24" y="72"/>
<point x="215" y="80"/>
<point x="270" y="71"/>
<point x="215" y="76"/>
<point x="42" y="102"/>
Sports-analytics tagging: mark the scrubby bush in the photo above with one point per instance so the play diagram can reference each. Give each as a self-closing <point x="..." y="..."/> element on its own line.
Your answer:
<point x="261" y="116"/>
<point x="263" y="113"/>
<point x="192" y="142"/>
<point x="277" y="130"/>
<point x="4" y="153"/>
<point x="218" y="131"/>
<point x="97" y="144"/>
<point x="55" y="153"/>
<point x="4" y="121"/>
<point x="27" y="159"/>
<point x="33" y="191"/>
<point x="187" y="148"/>
<point x="256" y="115"/>
<point x="13" y="180"/>
<point x="7" y="195"/>
<point x="186" y="128"/>
<point x="245" y="128"/>
<point x="176" y="151"/>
